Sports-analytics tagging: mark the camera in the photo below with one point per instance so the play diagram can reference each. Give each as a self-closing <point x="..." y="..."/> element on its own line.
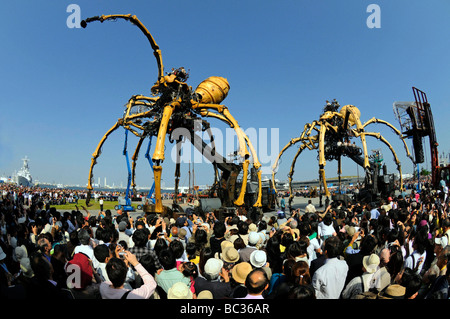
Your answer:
<point x="122" y="254"/>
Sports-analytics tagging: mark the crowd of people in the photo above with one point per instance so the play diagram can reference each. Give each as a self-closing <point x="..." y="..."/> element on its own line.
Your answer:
<point x="396" y="248"/>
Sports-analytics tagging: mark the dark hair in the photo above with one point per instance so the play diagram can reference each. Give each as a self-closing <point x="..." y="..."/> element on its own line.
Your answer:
<point x="262" y="225"/>
<point x="148" y="262"/>
<point x="239" y="243"/>
<point x="333" y="247"/>
<point x="256" y="285"/>
<point x="219" y="229"/>
<point x="368" y="244"/>
<point x="92" y="221"/>
<point x="190" y="269"/>
<point x="160" y="245"/>
<point x="167" y="259"/>
<point x="395" y="263"/>
<point x="412" y="282"/>
<point x="117" y="271"/>
<point x="297" y="248"/>
<point x="421" y="240"/>
<point x="140" y="237"/>
<point x="205" y="254"/>
<point x="101" y="252"/>
<point x="287" y="269"/>
<point x="302" y="292"/>
<point x="107" y="235"/>
<point x="177" y="248"/>
<point x="191" y="250"/>
<point x="41" y="267"/>
<point x="304" y="228"/>
<point x="242" y="227"/>
<point x="287" y="239"/>
<point x="274" y="254"/>
<point x="201" y="237"/>
<point x="300" y="273"/>
<point x="328" y="219"/>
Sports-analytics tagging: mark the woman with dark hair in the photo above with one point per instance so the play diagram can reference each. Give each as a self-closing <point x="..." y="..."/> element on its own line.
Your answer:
<point x="279" y="289"/>
<point x="178" y="250"/>
<point x="302" y="292"/>
<point x="395" y="263"/>
<point x="200" y="238"/>
<point x="300" y="273"/>
<point x="298" y="250"/>
<point x="273" y="253"/>
<point x="160" y="245"/>
<point x="239" y="243"/>
<point x="205" y="254"/>
<point x="218" y="236"/>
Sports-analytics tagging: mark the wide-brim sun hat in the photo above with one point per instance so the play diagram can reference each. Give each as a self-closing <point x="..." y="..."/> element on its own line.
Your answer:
<point x="258" y="258"/>
<point x="179" y="290"/>
<point x="229" y="255"/>
<point x="371" y="263"/>
<point x="241" y="271"/>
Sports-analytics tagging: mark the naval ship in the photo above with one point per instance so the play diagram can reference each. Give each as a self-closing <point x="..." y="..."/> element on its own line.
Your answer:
<point x="23" y="176"/>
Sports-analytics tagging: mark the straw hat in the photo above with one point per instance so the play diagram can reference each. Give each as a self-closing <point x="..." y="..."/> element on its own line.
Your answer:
<point x="371" y="263"/>
<point x="205" y="294"/>
<point x="394" y="291"/>
<point x="229" y="255"/>
<point x="225" y="243"/>
<point x="240" y="271"/>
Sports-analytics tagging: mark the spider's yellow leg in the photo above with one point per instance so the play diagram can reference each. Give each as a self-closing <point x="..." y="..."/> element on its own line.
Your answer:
<point x="291" y="173"/>
<point x="322" y="161"/>
<point x="256" y="163"/>
<point x="397" y="161"/>
<point x="275" y="165"/>
<point x="396" y="131"/>
<point x="158" y="155"/>
<point x="243" y="151"/>
<point x="95" y="155"/>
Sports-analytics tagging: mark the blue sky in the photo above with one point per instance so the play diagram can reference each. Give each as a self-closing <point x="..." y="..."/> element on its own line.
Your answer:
<point x="61" y="89"/>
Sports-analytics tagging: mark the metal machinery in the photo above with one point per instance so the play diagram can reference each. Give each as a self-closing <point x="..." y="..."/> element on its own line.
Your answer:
<point x="174" y="105"/>
<point x="416" y="121"/>
<point x="331" y="135"/>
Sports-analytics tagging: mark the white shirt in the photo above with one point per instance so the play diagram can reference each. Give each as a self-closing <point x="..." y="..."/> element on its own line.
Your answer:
<point x="418" y="261"/>
<point x="313" y="246"/>
<point x="324" y="230"/>
<point x="329" y="280"/>
<point x="310" y="208"/>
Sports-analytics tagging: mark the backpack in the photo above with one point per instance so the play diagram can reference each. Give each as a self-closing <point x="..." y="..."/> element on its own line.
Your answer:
<point x="370" y="294"/>
<point x="124" y="296"/>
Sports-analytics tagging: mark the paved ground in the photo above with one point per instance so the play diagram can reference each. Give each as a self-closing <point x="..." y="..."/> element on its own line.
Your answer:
<point x="298" y="202"/>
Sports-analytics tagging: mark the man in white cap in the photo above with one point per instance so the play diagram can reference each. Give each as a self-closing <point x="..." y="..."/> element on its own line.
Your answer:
<point x="361" y="284"/>
<point x="216" y="280"/>
<point x="258" y="259"/>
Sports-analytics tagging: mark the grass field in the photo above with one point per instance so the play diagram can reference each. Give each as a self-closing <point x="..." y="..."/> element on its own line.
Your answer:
<point x="82" y="203"/>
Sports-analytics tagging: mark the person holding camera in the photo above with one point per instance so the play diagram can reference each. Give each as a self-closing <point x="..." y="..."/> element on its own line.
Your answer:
<point x="117" y="269"/>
